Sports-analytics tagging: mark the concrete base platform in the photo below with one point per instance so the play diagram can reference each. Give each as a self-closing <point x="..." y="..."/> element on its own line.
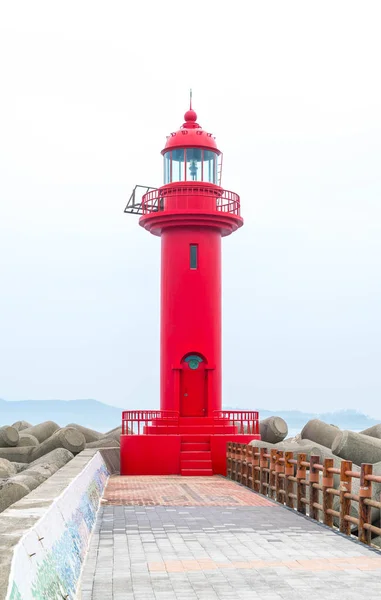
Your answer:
<point x="169" y="454"/>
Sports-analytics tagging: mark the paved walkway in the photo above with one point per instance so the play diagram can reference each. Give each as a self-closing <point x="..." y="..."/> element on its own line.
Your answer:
<point x="206" y="538"/>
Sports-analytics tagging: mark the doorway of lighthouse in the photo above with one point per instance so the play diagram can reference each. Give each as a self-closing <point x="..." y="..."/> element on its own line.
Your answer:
<point x="193" y="387"/>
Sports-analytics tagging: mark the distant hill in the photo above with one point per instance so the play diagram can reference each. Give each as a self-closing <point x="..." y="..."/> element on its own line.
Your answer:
<point x="103" y="417"/>
<point x="345" y="419"/>
<point x="89" y="413"/>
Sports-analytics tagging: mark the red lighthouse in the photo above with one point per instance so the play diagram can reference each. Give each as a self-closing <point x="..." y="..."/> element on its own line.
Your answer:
<point x="191" y="212"/>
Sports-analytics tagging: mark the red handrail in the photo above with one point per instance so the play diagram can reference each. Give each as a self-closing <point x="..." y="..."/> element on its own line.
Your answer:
<point x="247" y="421"/>
<point x="134" y="422"/>
<point x="188" y="197"/>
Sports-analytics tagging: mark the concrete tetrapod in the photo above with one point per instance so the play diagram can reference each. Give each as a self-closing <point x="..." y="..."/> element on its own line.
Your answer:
<point x="104" y="442"/>
<point x="273" y="429"/>
<point x="117" y="431"/>
<point x="90" y="435"/>
<point x="11" y="492"/>
<point x="19" y="454"/>
<point x="19" y="466"/>
<point x="33" y="476"/>
<point x="21" y="425"/>
<point x="43" y="431"/>
<point x="262" y="444"/>
<point x="9" y="437"/>
<point x="357" y="447"/>
<point x="58" y="457"/>
<point x="374" y="431"/>
<point x="7" y="469"/>
<point x="68" y="438"/>
<point x="27" y="439"/>
<point x="319" y="432"/>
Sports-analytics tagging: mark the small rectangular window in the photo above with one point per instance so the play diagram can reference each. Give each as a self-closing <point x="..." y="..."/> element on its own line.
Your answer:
<point x="193" y="256"/>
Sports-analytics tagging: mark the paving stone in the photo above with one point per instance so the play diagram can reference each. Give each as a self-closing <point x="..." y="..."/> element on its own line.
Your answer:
<point x="205" y="538"/>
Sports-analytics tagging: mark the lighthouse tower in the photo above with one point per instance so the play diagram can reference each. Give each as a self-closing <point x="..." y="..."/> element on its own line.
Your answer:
<point x="191" y="213"/>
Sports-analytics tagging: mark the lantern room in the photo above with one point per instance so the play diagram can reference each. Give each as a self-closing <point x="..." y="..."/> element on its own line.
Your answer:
<point x="191" y="154"/>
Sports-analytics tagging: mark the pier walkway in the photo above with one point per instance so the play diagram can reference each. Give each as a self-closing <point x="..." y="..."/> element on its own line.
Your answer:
<point x="208" y="538"/>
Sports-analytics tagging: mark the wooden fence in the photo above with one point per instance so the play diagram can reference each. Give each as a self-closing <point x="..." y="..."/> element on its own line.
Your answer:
<point x="280" y="476"/>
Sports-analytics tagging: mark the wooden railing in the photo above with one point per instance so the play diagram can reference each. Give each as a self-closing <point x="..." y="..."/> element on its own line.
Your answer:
<point x="285" y="478"/>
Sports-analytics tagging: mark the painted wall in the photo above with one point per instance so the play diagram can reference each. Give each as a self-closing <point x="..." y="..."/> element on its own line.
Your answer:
<point x="48" y="560"/>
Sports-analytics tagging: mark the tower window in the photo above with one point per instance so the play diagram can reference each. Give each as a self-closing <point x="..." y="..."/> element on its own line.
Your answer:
<point x="193" y="256"/>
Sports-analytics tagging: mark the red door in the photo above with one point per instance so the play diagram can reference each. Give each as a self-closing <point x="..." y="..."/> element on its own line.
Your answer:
<point x="193" y="387"/>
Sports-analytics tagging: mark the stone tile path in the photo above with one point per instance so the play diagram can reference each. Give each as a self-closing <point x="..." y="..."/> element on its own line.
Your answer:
<point x="213" y="539"/>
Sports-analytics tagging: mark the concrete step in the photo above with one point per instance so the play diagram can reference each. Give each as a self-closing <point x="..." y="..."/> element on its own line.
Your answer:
<point x="196" y="472"/>
<point x="185" y="439"/>
<point x="195" y="447"/>
<point x="195" y="464"/>
<point x="195" y="455"/>
<point x="189" y="429"/>
<point x="207" y="429"/>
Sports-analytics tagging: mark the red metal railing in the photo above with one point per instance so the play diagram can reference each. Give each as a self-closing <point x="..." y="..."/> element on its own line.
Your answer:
<point x="246" y="421"/>
<point x="191" y="197"/>
<point x="134" y="422"/>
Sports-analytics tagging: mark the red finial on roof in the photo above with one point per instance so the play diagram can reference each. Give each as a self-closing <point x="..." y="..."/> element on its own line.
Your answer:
<point x="190" y="116"/>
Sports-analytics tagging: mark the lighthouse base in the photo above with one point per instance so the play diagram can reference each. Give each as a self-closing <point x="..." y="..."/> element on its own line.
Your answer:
<point x="163" y="443"/>
<point x="187" y="455"/>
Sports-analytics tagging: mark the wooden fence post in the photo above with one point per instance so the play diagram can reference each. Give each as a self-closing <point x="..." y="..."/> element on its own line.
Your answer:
<point x="314" y="492"/>
<point x="233" y="460"/>
<point x="238" y="463"/>
<point x="229" y="460"/>
<point x="279" y="481"/>
<point x="263" y="474"/>
<point x="249" y="466"/>
<point x="243" y="464"/>
<point x="272" y="478"/>
<point x="301" y="487"/>
<point x="288" y="483"/>
<point x="256" y="471"/>
<point x="345" y="503"/>
<point x="365" y="535"/>
<point x="327" y="497"/>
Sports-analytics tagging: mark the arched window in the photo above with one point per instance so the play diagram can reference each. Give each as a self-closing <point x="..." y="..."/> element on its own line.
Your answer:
<point x="193" y="361"/>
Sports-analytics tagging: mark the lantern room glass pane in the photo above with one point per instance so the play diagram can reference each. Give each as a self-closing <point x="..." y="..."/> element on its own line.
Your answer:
<point x="190" y="164"/>
<point x="167" y="167"/>
<point x="194" y="164"/>
<point x="178" y="165"/>
<point x="210" y="166"/>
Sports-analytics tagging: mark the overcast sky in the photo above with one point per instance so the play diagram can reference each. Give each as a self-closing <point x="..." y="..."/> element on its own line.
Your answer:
<point x="292" y="91"/>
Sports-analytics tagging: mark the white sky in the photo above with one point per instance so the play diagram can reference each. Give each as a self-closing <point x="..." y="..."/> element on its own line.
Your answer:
<point x="292" y="91"/>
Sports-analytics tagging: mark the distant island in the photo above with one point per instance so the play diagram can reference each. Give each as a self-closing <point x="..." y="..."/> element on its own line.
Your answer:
<point x="103" y="417"/>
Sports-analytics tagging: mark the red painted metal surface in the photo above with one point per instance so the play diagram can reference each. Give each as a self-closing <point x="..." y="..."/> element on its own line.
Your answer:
<point x="189" y="434"/>
<point x="150" y="454"/>
<point x="190" y="135"/>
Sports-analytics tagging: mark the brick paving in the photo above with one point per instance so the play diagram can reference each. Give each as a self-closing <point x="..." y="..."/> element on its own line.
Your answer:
<point x="214" y="539"/>
<point x="181" y="491"/>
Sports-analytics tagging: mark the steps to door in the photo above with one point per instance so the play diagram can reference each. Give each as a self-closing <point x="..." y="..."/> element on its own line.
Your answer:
<point x="195" y="456"/>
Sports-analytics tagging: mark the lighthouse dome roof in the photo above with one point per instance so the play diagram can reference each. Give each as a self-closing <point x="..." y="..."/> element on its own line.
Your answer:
<point x="191" y="135"/>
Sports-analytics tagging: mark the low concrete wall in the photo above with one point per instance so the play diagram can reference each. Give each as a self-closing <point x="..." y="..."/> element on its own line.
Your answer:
<point x="44" y="537"/>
